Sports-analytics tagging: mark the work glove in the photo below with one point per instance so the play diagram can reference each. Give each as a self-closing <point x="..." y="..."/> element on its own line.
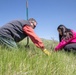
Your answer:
<point x="46" y="52"/>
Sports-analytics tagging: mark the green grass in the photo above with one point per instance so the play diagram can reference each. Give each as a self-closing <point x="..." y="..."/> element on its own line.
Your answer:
<point x="33" y="61"/>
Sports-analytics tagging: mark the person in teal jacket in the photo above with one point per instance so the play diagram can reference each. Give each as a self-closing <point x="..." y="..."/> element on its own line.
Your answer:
<point x="67" y="39"/>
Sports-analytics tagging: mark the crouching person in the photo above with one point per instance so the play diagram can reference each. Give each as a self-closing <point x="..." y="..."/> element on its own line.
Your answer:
<point x="16" y="30"/>
<point x="67" y="38"/>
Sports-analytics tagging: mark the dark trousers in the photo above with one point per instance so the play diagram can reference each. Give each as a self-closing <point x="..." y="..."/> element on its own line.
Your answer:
<point x="70" y="47"/>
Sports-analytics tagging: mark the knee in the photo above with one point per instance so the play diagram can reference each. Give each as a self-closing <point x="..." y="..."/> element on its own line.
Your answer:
<point x="67" y="48"/>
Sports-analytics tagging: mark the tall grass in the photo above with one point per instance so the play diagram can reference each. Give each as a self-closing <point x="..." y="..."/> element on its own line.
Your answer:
<point x="33" y="61"/>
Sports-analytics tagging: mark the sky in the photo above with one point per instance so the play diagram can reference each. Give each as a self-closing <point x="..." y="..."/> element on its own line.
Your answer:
<point x="48" y="13"/>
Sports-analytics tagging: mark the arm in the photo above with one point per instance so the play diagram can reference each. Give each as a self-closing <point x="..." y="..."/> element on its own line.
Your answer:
<point x="60" y="45"/>
<point x="35" y="39"/>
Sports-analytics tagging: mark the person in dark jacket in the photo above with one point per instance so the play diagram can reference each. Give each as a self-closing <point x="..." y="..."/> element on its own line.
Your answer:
<point x="16" y="30"/>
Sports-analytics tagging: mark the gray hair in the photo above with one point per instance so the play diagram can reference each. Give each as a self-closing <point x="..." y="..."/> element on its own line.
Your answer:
<point x="32" y="19"/>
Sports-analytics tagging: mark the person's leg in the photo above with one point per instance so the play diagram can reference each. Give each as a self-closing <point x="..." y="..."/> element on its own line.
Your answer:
<point x="70" y="47"/>
<point x="10" y="43"/>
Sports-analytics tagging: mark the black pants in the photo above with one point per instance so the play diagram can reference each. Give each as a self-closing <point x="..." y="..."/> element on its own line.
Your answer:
<point x="70" y="47"/>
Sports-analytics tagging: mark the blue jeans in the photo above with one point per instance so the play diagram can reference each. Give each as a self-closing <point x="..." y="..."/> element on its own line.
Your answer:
<point x="10" y="43"/>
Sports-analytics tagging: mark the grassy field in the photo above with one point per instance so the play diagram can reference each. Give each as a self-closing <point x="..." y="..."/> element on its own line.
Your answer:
<point x="33" y="61"/>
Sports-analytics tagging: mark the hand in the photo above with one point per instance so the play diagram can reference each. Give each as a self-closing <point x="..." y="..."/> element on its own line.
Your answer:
<point x="46" y="52"/>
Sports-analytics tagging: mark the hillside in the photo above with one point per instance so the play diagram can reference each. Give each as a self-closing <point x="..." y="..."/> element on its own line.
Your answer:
<point x="32" y="61"/>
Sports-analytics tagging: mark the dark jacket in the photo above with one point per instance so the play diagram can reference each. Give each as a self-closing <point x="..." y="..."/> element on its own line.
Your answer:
<point x="13" y="30"/>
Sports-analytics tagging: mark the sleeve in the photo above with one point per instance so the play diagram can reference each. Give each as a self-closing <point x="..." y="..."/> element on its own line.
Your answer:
<point x="35" y="39"/>
<point x="63" y="42"/>
<point x="60" y="45"/>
